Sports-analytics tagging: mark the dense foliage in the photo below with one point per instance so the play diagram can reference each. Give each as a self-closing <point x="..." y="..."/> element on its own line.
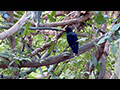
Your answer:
<point x="98" y="37"/>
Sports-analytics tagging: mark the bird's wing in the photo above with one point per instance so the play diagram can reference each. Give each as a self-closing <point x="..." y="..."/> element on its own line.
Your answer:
<point x="75" y="48"/>
<point x="71" y="38"/>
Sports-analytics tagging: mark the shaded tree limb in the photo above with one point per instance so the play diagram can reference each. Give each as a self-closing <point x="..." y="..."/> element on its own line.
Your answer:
<point x="102" y="61"/>
<point x="103" y="67"/>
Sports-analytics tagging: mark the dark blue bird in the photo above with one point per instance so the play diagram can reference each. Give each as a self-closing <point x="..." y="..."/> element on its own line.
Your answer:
<point x="71" y="39"/>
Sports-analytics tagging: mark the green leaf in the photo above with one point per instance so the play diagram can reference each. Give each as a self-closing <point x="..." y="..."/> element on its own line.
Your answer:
<point x="90" y="22"/>
<point x="26" y="29"/>
<point x="109" y="39"/>
<point x="20" y="12"/>
<point x="116" y="37"/>
<point x="117" y="41"/>
<point x="42" y="20"/>
<point x="4" y="55"/>
<point x="51" y="48"/>
<point x="27" y="59"/>
<point x="20" y="52"/>
<point x="42" y="61"/>
<point x="50" y="18"/>
<point x="102" y="40"/>
<point x="114" y="48"/>
<point x="23" y="74"/>
<point x="82" y="39"/>
<point x="53" y="13"/>
<point x="14" y="69"/>
<point x="50" y="68"/>
<point x="33" y="69"/>
<point x="11" y="63"/>
<point x="118" y="20"/>
<point x="98" y="67"/>
<point x="100" y="19"/>
<point x="75" y="61"/>
<point x="28" y="33"/>
<point x="43" y="15"/>
<point x="15" y="15"/>
<point x="94" y="60"/>
<point x="27" y="25"/>
<point x="32" y="31"/>
<point x="17" y="62"/>
<point x="114" y="28"/>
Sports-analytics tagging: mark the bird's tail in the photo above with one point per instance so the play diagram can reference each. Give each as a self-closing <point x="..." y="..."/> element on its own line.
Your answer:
<point x="75" y="48"/>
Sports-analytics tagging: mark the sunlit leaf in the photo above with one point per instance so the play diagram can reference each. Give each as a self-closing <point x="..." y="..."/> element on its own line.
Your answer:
<point x="15" y="15"/>
<point x="53" y="13"/>
<point x="102" y="40"/>
<point x="114" y="28"/>
<point x="32" y="31"/>
<point x="4" y="55"/>
<point x="17" y="62"/>
<point x="114" y="48"/>
<point x="98" y="67"/>
<point x="51" y="47"/>
<point x="100" y="19"/>
<point x="94" y="60"/>
<point x="50" y="68"/>
<point x="82" y="39"/>
<point x="75" y="61"/>
<point x="26" y="28"/>
<point x="11" y="63"/>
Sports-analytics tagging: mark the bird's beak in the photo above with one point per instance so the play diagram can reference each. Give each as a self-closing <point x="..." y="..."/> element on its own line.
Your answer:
<point x="64" y="29"/>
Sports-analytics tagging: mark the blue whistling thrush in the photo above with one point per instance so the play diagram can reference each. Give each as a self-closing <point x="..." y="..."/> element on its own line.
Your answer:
<point x="71" y="39"/>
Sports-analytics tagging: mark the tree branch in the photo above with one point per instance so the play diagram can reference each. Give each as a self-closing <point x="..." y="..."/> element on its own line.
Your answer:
<point x="66" y="22"/>
<point x="57" y="58"/>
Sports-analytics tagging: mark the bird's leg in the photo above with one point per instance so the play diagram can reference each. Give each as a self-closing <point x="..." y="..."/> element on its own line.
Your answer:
<point x="74" y="55"/>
